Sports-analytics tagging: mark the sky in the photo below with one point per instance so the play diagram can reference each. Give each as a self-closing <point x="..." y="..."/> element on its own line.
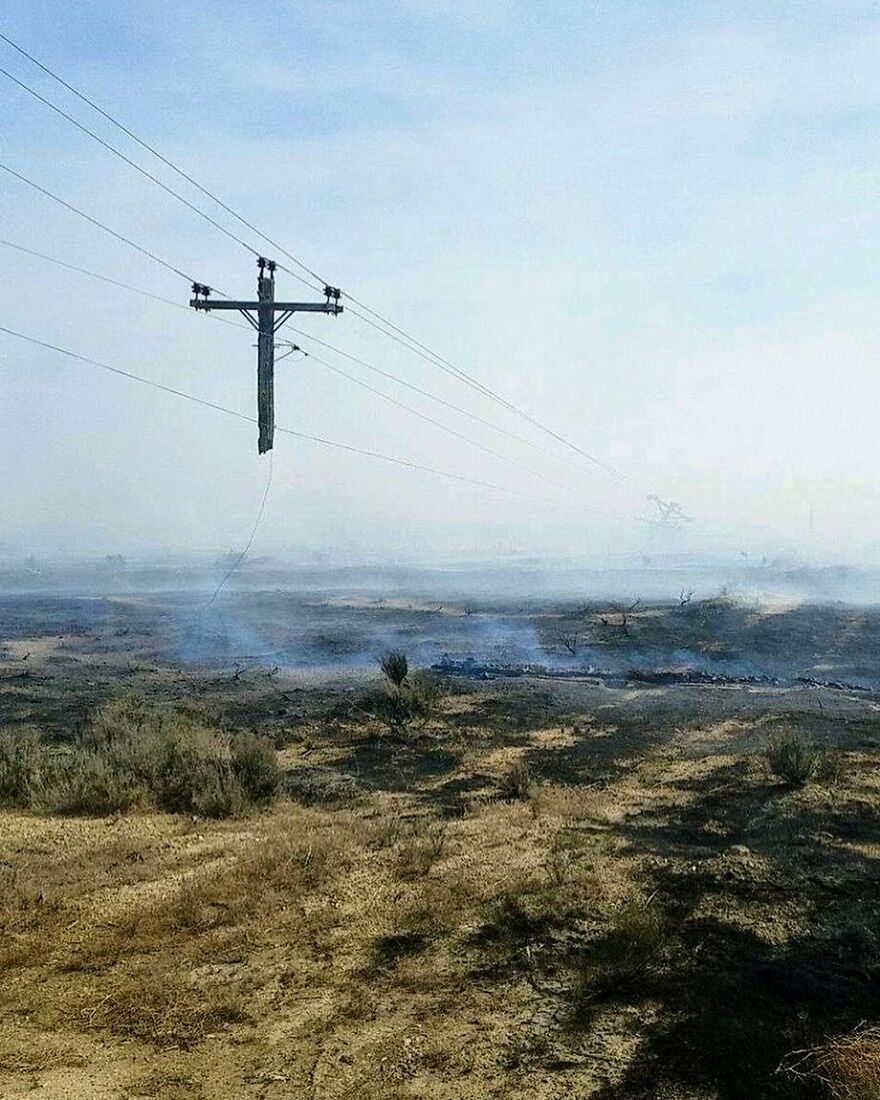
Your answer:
<point x="650" y="226"/>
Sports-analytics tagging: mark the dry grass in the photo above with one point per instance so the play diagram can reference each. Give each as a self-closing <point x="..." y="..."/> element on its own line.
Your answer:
<point x="157" y="1005"/>
<point x="421" y="845"/>
<point x="848" y="1065"/>
<point x="571" y="804"/>
<point x="32" y="1057"/>
<point x="357" y="947"/>
<point x="516" y="783"/>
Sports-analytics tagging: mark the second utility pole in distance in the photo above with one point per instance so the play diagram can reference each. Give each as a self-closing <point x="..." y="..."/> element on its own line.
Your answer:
<point x="266" y="325"/>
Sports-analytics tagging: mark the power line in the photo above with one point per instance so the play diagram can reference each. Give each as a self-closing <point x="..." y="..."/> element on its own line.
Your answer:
<point x="95" y="222"/>
<point x="300" y="332"/>
<point x="427" y="393"/>
<point x="171" y="267"/>
<point x="328" y="366"/>
<point x="390" y="330"/>
<point x="362" y="451"/>
<point x="436" y="423"/>
<point x="133" y="164"/>
<point x="155" y="152"/>
<point x="94" y="275"/>
<point x="128" y="160"/>
<point x="474" y="383"/>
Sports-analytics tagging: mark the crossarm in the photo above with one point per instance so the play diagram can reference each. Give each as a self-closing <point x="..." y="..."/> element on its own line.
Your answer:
<point x="277" y="307"/>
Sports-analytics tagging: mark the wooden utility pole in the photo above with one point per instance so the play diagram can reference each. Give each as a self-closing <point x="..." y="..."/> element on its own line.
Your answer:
<point x="266" y="325"/>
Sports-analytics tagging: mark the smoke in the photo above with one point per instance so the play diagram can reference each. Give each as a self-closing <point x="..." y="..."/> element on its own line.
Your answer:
<point x="296" y="634"/>
<point x="774" y="622"/>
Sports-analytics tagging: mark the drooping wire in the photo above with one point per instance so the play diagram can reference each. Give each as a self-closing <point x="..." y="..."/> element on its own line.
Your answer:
<point x="437" y="424"/>
<point x="425" y="393"/>
<point x="337" y="444"/>
<point x="240" y="558"/>
<point x="436" y="360"/>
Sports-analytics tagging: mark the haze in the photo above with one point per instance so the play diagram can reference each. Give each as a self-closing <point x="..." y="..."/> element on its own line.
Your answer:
<point x="649" y="225"/>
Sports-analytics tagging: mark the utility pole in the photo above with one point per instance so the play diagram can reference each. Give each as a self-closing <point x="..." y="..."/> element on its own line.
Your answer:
<point x="266" y="325"/>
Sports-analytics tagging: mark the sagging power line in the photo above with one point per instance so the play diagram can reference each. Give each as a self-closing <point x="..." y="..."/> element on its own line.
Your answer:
<point x="329" y="366"/>
<point x="369" y="316"/>
<point x="334" y="443"/>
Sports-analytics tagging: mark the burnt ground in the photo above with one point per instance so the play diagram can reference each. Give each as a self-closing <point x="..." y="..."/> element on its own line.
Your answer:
<point x="453" y="937"/>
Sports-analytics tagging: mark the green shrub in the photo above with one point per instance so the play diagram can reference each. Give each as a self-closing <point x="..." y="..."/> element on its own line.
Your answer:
<point x="255" y="766"/>
<point x="215" y="791"/>
<point x="507" y="918"/>
<point x="401" y="705"/>
<point x="21" y="766"/>
<point x="132" y="754"/>
<point x="624" y="958"/>
<point x="793" y="758"/>
<point x="89" y="783"/>
<point x="196" y="773"/>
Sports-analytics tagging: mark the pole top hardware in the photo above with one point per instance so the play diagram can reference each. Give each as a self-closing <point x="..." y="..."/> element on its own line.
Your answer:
<point x="266" y="316"/>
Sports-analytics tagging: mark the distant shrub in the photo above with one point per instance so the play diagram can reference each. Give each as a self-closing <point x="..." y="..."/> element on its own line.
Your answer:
<point x="395" y="667"/>
<point x="516" y="783"/>
<point x="793" y="758"/>
<point x="21" y="766"/>
<point x="832" y="767"/>
<point x="401" y="704"/>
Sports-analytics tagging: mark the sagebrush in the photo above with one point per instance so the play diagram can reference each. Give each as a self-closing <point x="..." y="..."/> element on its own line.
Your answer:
<point x="132" y="755"/>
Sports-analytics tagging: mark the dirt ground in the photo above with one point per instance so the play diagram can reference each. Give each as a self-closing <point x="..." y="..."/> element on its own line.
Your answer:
<point x="549" y="889"/>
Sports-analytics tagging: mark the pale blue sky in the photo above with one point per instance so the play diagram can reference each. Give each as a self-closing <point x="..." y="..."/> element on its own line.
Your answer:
<point x="652" y="225"/>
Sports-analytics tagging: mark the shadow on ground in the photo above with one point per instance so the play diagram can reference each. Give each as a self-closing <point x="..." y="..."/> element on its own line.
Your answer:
<point x="735" y="1001"/>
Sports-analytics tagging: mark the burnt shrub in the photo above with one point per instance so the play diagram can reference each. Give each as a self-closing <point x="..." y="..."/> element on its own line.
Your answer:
<point x="395" y="667"/>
